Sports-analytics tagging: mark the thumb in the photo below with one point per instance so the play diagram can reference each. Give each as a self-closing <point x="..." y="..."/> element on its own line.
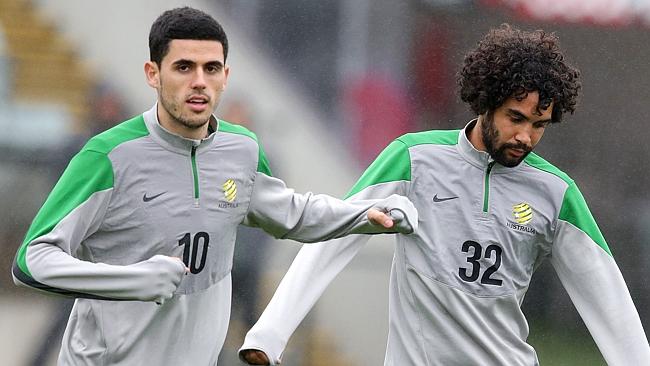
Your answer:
<point x="379" y="218"/>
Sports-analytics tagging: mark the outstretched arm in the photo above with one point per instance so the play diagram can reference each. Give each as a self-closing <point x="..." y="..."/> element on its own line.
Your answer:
<point x="317" y="265"/>
<point x="311" y="272"/>
<point x="313" y="217"/>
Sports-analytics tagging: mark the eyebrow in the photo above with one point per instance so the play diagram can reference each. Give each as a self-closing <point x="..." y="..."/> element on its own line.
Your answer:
<point x="184" y="61"/>
<point x="216" y="63"/>
<point x="518" y="114"/>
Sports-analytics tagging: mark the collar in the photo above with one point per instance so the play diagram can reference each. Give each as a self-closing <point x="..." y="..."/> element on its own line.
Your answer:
<point x="174" y="142"/>
<point x="480" y="159"/>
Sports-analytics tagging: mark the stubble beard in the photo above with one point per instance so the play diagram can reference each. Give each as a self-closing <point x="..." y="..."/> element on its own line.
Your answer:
<point x="490" y="137"/>
<point x="175" y="110"/>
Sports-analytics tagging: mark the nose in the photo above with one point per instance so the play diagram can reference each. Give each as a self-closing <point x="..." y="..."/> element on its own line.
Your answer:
<point x="524" y="133"/>
<point x="198" y="81"/>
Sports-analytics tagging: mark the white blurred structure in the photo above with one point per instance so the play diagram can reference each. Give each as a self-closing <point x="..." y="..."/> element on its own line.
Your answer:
<point x="599" y="12"/>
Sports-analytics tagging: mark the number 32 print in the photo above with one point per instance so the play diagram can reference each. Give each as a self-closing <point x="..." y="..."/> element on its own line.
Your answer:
<point x="472" y="273"/>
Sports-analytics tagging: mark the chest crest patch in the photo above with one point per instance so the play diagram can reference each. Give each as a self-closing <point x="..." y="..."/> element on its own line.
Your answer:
<point x="230" y="190"/>
<point x="522" y="213"/>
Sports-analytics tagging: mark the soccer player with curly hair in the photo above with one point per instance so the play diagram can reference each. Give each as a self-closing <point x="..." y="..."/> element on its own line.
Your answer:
<point x="491" y="211"/>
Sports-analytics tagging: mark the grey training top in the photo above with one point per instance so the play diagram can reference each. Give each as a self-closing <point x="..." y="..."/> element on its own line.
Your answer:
<point x="456" y="285"/>
<point x="137" y="195"/>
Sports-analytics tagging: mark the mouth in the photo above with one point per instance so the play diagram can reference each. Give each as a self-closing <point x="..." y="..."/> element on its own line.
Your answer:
<point x="197" y="99"/>
<point x="197" y="103"/>
<point x="517" y="153"/>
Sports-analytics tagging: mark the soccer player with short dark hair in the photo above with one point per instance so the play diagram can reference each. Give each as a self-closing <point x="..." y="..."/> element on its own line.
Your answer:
<point x="141" y="226"/>
<point x="491" y="211"/>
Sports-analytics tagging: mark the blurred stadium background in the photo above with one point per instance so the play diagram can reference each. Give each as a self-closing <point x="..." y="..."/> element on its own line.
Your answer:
<point x="326" y="84"/>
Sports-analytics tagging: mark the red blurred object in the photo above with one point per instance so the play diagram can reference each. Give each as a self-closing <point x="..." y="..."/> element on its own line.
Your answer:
<point x="434" y="73"/>
<point x="377" y="111"/>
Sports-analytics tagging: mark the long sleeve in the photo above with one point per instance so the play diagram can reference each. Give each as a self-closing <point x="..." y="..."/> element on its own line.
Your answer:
<point x="47" y="259"/>
<point x="311" y="272"/>
<point x="316" y="217"/>
<point x="317" y="265"/>
<point x="596" y="286"/>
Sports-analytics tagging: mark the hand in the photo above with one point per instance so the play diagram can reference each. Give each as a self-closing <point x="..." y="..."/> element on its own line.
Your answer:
<point x="164" y="274"/>
<point x="187" y="269"/>
<point x="379" y="218"/>
<point x="254" y="357"/>
<point x="161" y="300"/>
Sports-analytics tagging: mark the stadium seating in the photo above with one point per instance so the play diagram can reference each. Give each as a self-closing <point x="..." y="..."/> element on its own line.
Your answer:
<point x="45" y="66"/>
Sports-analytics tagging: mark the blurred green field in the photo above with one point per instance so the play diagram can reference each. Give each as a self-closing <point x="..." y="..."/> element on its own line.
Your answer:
<point x="568" y="347"/>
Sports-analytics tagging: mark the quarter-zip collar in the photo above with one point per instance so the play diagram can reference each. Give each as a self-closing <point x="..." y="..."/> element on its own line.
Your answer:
<point x="479" y="159"/>
<point x="174" y="142"/>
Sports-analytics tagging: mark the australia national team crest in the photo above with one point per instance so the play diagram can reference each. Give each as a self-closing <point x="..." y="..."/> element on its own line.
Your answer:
<point x="522" y="215"/>
<point x="229" y="194"/>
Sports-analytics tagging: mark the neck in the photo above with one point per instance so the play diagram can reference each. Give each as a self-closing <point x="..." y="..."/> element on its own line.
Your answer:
<point x="198" y="133"/>
<point x="195" y="132"/>
<point x="475" y="136"/>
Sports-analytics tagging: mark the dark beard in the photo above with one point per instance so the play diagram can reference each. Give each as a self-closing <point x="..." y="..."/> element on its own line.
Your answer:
<point x="490" y="136"/>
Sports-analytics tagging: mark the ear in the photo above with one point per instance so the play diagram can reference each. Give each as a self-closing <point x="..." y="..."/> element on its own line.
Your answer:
<point x="152" y="73"/>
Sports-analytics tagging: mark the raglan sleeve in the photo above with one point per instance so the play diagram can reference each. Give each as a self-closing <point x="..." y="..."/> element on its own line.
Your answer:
<point x="48" y="259"/>
<point x="588" y="272"/>
<point x="317" y="265"/>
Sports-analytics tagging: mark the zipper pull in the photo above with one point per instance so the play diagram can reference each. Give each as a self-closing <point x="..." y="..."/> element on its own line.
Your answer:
<point x="490" y="165"/>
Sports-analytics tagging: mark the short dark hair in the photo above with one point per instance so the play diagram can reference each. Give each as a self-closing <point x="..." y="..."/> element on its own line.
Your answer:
<point x="183" y="23"/>
<point x="509" y="62"/>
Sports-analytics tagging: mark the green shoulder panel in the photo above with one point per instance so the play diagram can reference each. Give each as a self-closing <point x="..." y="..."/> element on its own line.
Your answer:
<point x="89" y="171"/>
<point x="125" y="131"/>
<point x="435" y="137"/>
<point x="574" y="207"/>
<point x="394" y="163"/>
<point x="262" y="162"/>
<point x="540" y="163"/>
<point x="574" y="210"/>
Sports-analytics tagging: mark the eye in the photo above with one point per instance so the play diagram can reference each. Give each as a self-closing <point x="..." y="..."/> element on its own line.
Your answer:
<point x="540" y="124"/>
<point x="212" y="69"/>
<point x="183" y="67"/>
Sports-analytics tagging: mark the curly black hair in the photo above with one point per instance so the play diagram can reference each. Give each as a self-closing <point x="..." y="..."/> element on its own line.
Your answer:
<point x="509" y="62"/>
